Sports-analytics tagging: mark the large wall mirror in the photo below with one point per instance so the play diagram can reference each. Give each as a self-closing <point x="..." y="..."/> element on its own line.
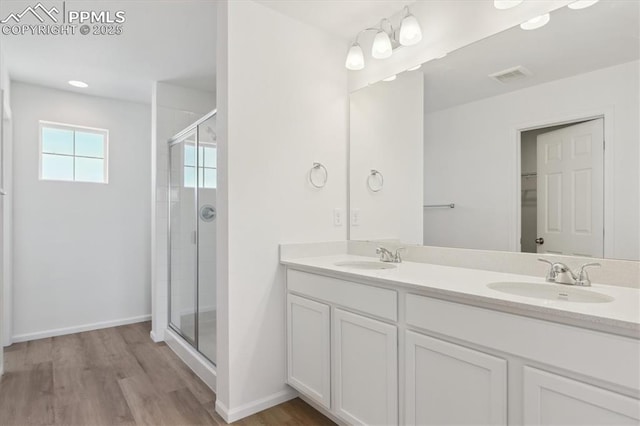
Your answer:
<point x="524" y="141"/>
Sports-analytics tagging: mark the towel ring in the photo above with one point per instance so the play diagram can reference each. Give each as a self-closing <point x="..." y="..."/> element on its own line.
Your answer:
<point x="373" y="174"/>
<point x="315" y="183"/>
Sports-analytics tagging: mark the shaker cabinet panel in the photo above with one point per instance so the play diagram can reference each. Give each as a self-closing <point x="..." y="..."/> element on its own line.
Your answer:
<point x="552" y="399"/>
<point x="365" y="370"/>
<point x="449" y="384"/>
<point x="308" y="343"/>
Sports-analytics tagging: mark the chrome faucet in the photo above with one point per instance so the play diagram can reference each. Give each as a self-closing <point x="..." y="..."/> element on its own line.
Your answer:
<point x="561" y="274"/>
<point x="388" y="256"/>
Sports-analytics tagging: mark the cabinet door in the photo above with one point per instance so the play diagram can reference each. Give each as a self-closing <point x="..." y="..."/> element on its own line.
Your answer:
<point x="450" y="384"/>
<point x="365" y="355"/>
<point x="308" y="350"/>
<point x="551" y="399"/>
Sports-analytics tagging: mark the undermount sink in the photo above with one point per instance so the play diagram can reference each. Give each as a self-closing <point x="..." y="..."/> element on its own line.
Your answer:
<point x="365" y="264"/>
<point x="555" y="292"/>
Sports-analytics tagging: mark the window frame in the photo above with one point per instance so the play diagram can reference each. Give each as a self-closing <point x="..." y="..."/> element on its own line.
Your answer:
<point x="74" y="128"/>
<point x="197" y="167"/>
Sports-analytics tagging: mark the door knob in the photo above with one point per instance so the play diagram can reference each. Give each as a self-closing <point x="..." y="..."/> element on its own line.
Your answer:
<point x="540" y="241"/>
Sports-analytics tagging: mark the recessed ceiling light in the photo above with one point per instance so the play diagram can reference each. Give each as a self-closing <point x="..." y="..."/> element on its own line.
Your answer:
<point x="535" y="23"/>
<point x="506" y="4"/>
<point x="582" y="4"/>
<point x="391" y="78"/>
<point x="76" y="83"/>
<point x="417" y="67"/>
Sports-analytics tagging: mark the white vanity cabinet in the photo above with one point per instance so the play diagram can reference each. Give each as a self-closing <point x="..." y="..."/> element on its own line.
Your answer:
<point x="308" y="348"/>
<point x="448" y="384"/>
<point x="365" y="354"/>
<point x="360" y="384"/>
<point x="377" y="353"/>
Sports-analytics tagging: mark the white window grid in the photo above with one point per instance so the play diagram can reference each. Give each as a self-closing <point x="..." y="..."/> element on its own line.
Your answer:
<point x="73" y="128"/>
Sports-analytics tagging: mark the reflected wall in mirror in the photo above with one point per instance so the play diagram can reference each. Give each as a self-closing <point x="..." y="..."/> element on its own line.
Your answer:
<point x="532" y="135"/>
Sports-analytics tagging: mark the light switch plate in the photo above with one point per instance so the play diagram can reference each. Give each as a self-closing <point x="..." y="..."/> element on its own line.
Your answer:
<point x="355" y="217"/>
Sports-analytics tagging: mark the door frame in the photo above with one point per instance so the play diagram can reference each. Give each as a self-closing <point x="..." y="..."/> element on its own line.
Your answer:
<point x="607" y="114"/>
<point x="6" y="181"/>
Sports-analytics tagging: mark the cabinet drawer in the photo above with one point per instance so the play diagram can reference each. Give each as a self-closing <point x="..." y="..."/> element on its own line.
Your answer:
<point x="553" y="399"/>
<point x="570" y="348"/>
<point x="376" y="301"/>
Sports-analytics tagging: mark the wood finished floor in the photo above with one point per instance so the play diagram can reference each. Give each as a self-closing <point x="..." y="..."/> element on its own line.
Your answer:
<point x="116" y="376"/>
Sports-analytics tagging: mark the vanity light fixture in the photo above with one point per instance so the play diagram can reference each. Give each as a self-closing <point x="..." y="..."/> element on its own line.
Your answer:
<point x="382" y="47"/>
<point x="581" y="4"/>
<point x="410" y="32"/>
<point x="355" y="57"/>
<point x="77" y="83"/>
<point x="390" y="78"/>
<point x="506" y="4"/>
<point x="386" y="39"/>
<point x="535" y="23"/>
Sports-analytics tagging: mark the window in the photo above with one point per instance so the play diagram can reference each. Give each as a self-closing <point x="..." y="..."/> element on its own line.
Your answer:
<point x="73" y="153"/>
<point x="207" y="160"/>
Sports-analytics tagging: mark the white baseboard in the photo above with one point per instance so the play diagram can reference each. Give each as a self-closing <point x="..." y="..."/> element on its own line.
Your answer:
<point x="322" y="410"/>
<point x="78" y="328"/>
<point x="253" y="407"/>
<point x="156" y="337"/>
<point x="201" y="366"/>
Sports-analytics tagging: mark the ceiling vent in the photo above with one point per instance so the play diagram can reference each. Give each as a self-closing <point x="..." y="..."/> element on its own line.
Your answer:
<point x="511" y="74"/>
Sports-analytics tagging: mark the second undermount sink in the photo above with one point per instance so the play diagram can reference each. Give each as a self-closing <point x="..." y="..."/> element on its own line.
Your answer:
<point x="552" y="292"/>
<point x="365" y="264"/>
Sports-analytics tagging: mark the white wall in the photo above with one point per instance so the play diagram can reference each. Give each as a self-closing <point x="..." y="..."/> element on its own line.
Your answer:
<point x="173" y="109"/>
<point x="386" y="134"/>
<point x="282" y="104"/>
<point x="446" y="26"/>
<point x="478" y="142"/>
<point x="81" y="252"/>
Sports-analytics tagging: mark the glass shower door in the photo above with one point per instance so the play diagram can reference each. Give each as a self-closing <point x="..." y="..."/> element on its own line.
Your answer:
<point x="183" y="237"/>
<point x="207" y="212"/>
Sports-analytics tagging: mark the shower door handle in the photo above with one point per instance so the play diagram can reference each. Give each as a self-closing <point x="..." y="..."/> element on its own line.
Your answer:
<point x="208" y="213"/>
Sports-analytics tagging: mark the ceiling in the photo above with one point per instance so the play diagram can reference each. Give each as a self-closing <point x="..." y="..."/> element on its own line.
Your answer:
<point x="340" y="18"/>
<point x="172" y="41"/>
<point x="574" y="42"/>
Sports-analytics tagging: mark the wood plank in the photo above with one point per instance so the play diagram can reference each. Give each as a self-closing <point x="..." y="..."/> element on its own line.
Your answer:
<point x="197" y="387"/>
<point x="38" y="351"/>
<point x="116" y="376"/>
<point x="26" y="397"/>
<point x="190" y="408"/>
<point x="143" y="400"/>
<point x="15" y="357"/>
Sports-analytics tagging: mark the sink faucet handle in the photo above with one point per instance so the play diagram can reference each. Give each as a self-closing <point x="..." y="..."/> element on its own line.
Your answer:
<point x="397" y="258"/>
<point x="583" y="276"/>
<point x="551" y="274"/>
<point x="385" y="255"/>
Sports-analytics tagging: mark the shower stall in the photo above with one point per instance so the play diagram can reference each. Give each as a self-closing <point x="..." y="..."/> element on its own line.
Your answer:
<point x="192" y="235"/>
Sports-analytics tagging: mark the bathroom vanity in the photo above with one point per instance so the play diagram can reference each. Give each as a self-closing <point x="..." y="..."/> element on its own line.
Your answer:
<point x="421" y="344"/>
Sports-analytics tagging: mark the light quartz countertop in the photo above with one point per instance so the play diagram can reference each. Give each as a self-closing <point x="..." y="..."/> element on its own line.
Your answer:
<point x="469" y="286"/>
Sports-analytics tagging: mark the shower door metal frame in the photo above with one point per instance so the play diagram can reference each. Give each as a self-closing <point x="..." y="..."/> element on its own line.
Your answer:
<point x="178" y="138"/>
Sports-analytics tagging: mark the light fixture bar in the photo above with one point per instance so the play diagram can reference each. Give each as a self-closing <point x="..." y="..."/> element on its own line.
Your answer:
<point x="385" y="40"/>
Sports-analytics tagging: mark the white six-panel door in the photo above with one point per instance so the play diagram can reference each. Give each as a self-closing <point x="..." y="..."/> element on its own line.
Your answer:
<point x="448" y="384"/>
<point x="365" y="370"/>
<point x="570" y="168"/>
<point x="309" y="355"/>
